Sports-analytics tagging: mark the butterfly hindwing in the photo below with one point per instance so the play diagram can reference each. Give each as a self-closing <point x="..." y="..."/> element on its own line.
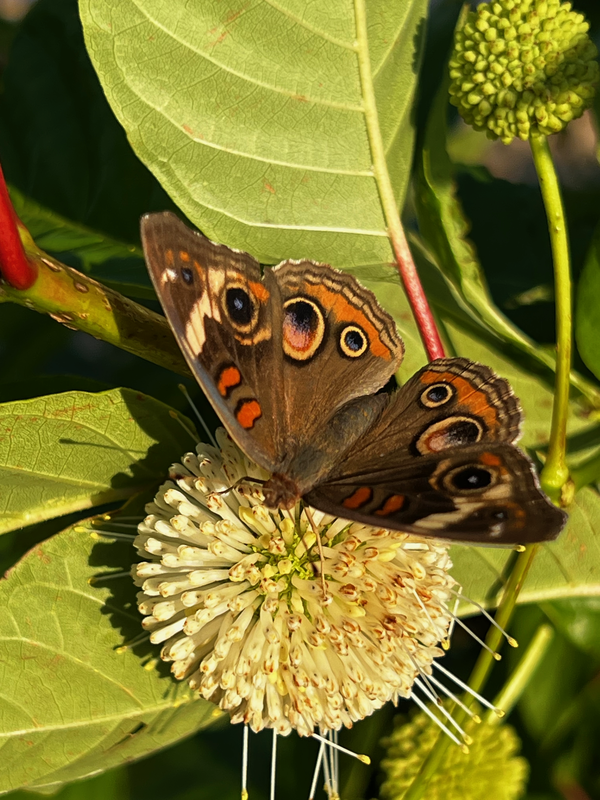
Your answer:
<point x="478" y="493"/>
<point x="440" y="461"/>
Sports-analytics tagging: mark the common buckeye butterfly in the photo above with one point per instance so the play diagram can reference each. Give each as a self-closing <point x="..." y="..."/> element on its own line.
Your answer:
<point x="294" y="362"/>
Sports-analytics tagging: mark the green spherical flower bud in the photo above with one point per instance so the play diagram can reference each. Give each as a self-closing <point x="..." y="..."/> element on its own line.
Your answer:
<point x="490" y="770"/>
<point x="534" y="56"/>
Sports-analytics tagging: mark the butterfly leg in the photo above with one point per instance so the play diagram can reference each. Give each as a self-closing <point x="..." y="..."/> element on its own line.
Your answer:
<point x="245" y="479"/>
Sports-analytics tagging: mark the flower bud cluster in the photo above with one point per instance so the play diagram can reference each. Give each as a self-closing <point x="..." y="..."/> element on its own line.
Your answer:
<point x="523" y="68"/>
<point x="490" y="769"/>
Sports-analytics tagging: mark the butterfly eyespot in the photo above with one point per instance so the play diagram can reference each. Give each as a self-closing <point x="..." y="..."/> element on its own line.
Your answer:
<point x="241" y="308"/>
<point x="303" y="328"/>
<point x="187" y="275"/>
<point x="437" y="395"/>
<point x="470" y="478"/>
<point x="353" y="341"/>
<point x="451" y="432"/>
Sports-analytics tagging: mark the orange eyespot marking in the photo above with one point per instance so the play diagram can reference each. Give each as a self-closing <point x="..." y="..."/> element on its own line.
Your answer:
<point x="169" y="257"/>
<point x="358" y="498"/>
<point x="184" y="255"/>
<point x="260" y="291"/>
<point x="490" y="460"/>
<point x="392" y="504"/>
<point x="303" y="328"/>
<point x="343" y="311"/>
<point x="247" y="413"/>
<point x="474" y="400"/>
<point x="228" y="379"/>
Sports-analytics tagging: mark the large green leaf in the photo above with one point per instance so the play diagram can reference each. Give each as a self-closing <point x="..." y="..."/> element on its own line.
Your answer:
<point x="254" y="116"/>
<point x="59" y="141"/>
<point x="569" y="567"/>
<point x="72" y="703"/>
<point x="67" y="452"/>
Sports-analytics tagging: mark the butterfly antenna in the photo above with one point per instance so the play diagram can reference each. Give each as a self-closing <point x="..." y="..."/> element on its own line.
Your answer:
<point x="512" y="641"/>
<point x="186" y="394"/>
<point x="273" y="764"/>
<point x="245" y="763"/>
<point x="309" y="516"/>
<point x="313" y="786"/>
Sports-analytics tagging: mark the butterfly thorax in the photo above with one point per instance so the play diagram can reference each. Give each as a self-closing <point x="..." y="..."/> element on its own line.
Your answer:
<point x="280" y="491"/>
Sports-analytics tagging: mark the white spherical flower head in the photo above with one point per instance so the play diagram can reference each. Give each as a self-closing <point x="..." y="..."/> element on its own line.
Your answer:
<point x="233" y="590"/>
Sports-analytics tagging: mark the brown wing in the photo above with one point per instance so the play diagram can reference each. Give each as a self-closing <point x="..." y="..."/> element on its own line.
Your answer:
<point x="338" y="345"/>
<point x="264" y="349"/>
<point x="476" y="493"/>
<point x="450" y="403"/>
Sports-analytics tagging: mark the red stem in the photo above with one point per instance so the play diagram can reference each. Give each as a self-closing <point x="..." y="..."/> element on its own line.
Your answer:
<point x="14" y="266"/>
<point x="416" y="295"/>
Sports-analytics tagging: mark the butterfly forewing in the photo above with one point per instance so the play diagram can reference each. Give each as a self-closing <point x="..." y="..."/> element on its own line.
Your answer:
<point x="221" y="312"/>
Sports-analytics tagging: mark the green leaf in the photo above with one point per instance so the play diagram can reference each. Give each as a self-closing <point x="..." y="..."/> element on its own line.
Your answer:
<point x="255" y="120"/>
<point x="67" y="452"/>
<point x="569" y="567"/>
<point x="59" y="141"/>
<point x="118" y="265"/>
<point x="579" y="620"/>
<point x="587" y="308"/>
<point x="71" y="703"/>
<point x="444" y="228"/>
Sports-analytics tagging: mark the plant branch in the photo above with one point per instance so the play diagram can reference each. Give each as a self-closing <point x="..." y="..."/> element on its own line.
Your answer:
<point x="406" y="265"/>
<point x="16" y="270"/>
<point x="555" y="473"/>
<point x="77" y="301"/>
<point x="480" y="672"/>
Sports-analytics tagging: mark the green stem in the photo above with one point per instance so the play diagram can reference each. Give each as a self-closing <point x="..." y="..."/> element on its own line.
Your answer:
<point x="406" y="265"/>
<point x="555" y="473"/>
<point x="480" y="673"/>
<point x="75" y="300"/>
<point x="519" y="679"/>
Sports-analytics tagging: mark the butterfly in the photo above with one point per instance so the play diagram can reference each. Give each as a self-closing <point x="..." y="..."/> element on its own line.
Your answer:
<point x="295" y="361"/>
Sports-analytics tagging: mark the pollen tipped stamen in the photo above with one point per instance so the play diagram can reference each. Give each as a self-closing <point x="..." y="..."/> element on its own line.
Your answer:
<point x="99" y="533"/>
<point x="495" y="655"/>
<point x="466" y="739"/>
<point x="511" y="641"/>
<point x="107" y="576"/>
<point x="455" y="699"/>
<point x="334" y="746"/>
<point x="465" y="687"/>
<point x="437" y="720"/>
